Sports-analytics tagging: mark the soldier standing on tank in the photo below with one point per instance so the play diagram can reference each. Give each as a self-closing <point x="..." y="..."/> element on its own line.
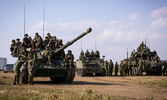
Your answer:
<point x="31" y="65"/>
<point x="26" y="42"/>
<point x="81" y="55"/>
<point x="37" y="41"/>
<point x="106" y="67"/>
<point x="12" y="46"/>
<point x="122" y="69"/>
<point x="156" y="59"/>
<point x="69" y="59"/>
<point x="111" y="65"/>
<point x="47" y="56"/>
<point x="22" y="57"/>
<point x="116" y="68"/>
<point x="17" y="46"/>
<point x="87" y="54"/>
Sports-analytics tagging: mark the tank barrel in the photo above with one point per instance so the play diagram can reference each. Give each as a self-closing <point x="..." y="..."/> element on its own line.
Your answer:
<point x="74" y="40"/>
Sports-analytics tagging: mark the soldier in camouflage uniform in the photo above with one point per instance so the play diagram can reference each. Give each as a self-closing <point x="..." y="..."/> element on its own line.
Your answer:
<point x="106" y="67"/>
<point x="31" y="65"/>
<point x="92" y="55"/>
<point x="17" y="46"/>
<point x="47" y="56"/>
<point x="49" y="36"/>
<point x="37" y="41"/>
<point x="116" y="68"/>
<point x="87" y="54"/>
<point x="81" y="55"/>
<point x="111" y="66"/>
<point x="97" y="54"/>
<point x="46" y="41"/>
<point x="122" y="69"/>
<point x="164" y="71"/>
<point x="140" y="68"/>
<point x="22" y="57"/>
<point x="69" y="59"/>
<point x="26" y="42"/>
<point x="156" y="59"/>
<point x="12" y="46"/>
<point x="130" y="68"/>
<point x="53" y="43"/>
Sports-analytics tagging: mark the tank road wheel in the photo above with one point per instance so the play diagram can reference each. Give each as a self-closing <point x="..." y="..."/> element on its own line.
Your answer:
<point x="24" y="77"/>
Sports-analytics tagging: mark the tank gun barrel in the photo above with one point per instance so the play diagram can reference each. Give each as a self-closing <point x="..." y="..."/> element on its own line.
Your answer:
<point x="74" y="40"/>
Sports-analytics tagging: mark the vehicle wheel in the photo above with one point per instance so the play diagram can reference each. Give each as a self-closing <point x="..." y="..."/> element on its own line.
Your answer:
<point x="72" y="75"/>
<point x="24" y="77"/>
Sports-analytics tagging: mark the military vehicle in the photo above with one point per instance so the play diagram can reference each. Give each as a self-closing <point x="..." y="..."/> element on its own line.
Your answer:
<point x="58" y="72"/>
<point x="150" y="67"/>
<point x="88" y="66"/>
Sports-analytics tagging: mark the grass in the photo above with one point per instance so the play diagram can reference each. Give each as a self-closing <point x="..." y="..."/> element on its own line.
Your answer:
<point x="161" y="83"/>
<point x="36" y="93"/>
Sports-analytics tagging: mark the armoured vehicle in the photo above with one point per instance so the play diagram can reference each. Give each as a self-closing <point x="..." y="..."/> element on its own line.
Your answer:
<point x="147" y="58"/>
<point x="58" y="72"/>
<point x="87" y="66"/>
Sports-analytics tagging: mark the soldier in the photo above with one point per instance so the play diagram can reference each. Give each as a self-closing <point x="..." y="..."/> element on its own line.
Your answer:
<point x="81" y="55"/>
<point x="49" y="36"/>
<point x="58" y="44"/>
<point x="97" y="53"/>
<point x="130" y="68"/>
<point x="12" y="46"/>
<point x="140" y="69"/>
<point x="47" y="56"/>
<point x="111" y="65"/>
<point x="31" y="41"/>
<point x="164" y="71"/>
<point x="17" y="46"/>
<point x="26" y="42"/>
<point x="69" y="59"/>
<point x="126" y="70"/>
<point x="87" y="54"/>
<point x="132" y="55"/>
<point x="92" y="55"/>
<point x="31" y="67"/>
<point x="22" y="57"/>
<point x="37" y="41"/>
<point x="156" y="59"/>
<point x="122" y="71"/>
<point x="46" y="41"/>
<point x="53" y="43"/>
<point x="106" y="67"/>
<point x="116" y="68"/>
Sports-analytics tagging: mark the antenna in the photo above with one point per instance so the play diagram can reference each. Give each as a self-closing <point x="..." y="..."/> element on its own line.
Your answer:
<point x="127" y="53"/>
<point x="43" y="21"/>
<point x="95" y="43"/>
<point x="24" y="18"/>
<point x="81" y="44"/>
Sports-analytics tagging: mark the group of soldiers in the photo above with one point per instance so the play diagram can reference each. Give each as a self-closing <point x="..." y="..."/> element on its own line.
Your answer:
<point x="109" y="67"/>
<point x="88" y="55"/>
<point x="49" y="45"/>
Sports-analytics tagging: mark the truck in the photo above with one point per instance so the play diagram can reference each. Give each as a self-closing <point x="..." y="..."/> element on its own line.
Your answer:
<point x="3" y="62"/>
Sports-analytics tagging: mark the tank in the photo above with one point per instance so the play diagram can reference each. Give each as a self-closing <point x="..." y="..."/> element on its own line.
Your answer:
<point x="88" y="66"/>
<point x="58" y="71"/>
<point x="150" y="67"/>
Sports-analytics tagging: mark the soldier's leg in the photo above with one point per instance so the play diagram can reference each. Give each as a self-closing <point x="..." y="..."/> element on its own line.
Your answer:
<point x="17" y="71"/>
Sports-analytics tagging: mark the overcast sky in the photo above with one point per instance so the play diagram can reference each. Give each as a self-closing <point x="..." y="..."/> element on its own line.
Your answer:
<point x="117" y="24"/>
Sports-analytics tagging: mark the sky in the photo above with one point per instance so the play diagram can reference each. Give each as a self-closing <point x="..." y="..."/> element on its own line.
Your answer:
<point x="117" y="26"/>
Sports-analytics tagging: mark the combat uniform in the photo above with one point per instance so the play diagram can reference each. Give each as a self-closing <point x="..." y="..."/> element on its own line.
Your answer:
<point x="69" y="58"/>
<point x="47" y="54"/>
<point x="81" y="55"/>
<point x="21" y="59"/>
<point x="87" y="54"/>
<point x="122" y="69"/>
<point x="111" y="65"/>
<point x="12" y="46"/>
<point x="106" y="67"/>
<point x="116" y="69"/>
<point x="140" y="68"/>
<point x="17" y="47"/>
<point x="26" y="42"/>
<point x="37" y="41"/>
<point x="97" y="54"/>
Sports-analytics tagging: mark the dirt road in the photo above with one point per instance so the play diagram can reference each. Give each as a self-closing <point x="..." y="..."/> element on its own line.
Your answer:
<point x="138" y="87"/>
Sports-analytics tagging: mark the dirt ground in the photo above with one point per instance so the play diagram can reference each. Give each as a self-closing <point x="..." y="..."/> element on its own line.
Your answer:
<point x="128" y="86"/>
